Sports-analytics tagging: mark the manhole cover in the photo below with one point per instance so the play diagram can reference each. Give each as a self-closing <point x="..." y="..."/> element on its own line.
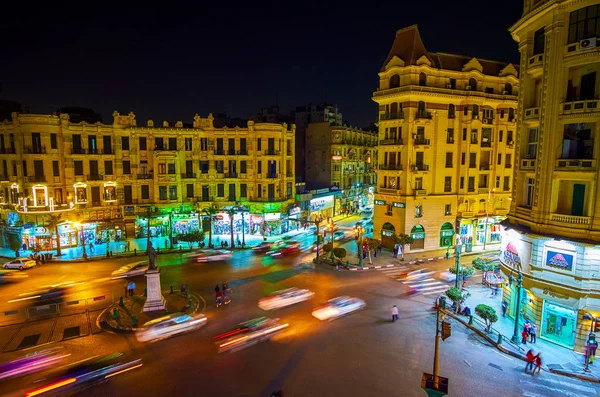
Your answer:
<point x="495" y="366"/>
<point x="71" y="332"/>
<point x="29" y="341"/>
<point x="555" y="366"/>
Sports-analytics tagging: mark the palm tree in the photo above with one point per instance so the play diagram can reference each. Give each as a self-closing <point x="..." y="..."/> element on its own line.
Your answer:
<point x="403" y="240"/>
<point x="231" y="212"/>
<point x="210" y="212"/>
<point x="53" y="222"/>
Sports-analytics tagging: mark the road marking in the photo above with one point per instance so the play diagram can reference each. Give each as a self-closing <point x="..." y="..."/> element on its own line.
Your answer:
<point x="537" y="385"/>
<point x="573" y="385"/>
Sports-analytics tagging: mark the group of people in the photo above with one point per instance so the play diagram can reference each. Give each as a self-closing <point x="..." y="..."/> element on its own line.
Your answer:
<point x="130" y="288"/>
<point x="222" y="295"/>
<point x="534" y="362"/>
<point x="529" y="333"/>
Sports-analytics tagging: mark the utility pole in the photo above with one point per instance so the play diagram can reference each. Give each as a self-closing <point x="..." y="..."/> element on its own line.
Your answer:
<point x="515" y="337"/>
<point x="433" y="384"/>
<point x="457" y="249"/>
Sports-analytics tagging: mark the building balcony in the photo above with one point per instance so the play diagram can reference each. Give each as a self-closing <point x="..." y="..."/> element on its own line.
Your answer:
<point x="483" y="190"/>
<point x="579" y="107"/>
<point x="93" y="151"/>
<point x="390" y="167"/>
<point x="569" y="220"/>
<point x="421" y="141"/>
<point x="392" y="116"/>
<point x="487" y="121"/>
<point x="4" y="178"/>
<point x="387" y="190"/>
<point x="145" y="176"/>
<point x="528" y="164"/>
<point x="484" y="167"/>
<point x="188" y="175"/>
<point x="532" y="114"/>
<point x="219" y="152"/>
<point x="423" y="115"/>
<point x="534" y="65"/>
<point x="272" y="176"/>
<point x="584" y="164"/>
<point x="394" y="141"/>
<point x="95" y="177"/>
<point x="8" y="150"/>
<point x="231" y="152"/>
<point x="450" y="140"/>
<point x="108" y="151"/>
<point x="474" y="141"/>
<point x="420" y="167"/>
<point x="78" y="151"/>
<point x="271" y="152"/>
<point x="420" y="192"/>
<point x="206" y="199"/>
<point x="36" y="178"/>
<point x="34" y="150"/>
<point x="231" y="175"/>
<point x="467" y="214"/>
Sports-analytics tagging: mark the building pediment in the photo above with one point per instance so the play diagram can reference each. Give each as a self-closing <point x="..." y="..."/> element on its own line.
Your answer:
<point x="424" y="61"/>
<point x="473" y="64"/>
<point x="395" y="61"/>
<point x="509" y="70"/>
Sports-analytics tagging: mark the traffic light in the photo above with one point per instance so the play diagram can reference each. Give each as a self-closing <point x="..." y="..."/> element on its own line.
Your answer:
<point x="446" y="330"/>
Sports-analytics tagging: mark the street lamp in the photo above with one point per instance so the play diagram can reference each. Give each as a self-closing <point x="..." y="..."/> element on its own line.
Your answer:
<point x="591" y="339"/>
<point x="80" y="227"/>
<point x="487" y="215"/>
<point x="511" y="279"/>
<point x="457" y="250"/>
<point x="331" y="227"/>
<point x="359" y="230"/>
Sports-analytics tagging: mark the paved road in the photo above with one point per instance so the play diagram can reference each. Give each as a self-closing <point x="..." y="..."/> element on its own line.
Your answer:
<point x="363" y="354"/>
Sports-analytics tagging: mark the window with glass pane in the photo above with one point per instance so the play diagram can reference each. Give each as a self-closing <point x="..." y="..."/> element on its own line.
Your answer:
<point x="162" y="168"/>
<point x="532" y="141"/>
<point x="145" y="191"/>
<point x="418" y="211"/>
<point x="171" y="168"/>
<point x="448" y="209"/>
<point x="243" y="166"/>
<point x="204" y="167"/>
<point x="143" y="143"/>
<point x="78" y="167"/>
<point x="584" y="24"/>
<point x="162" y="192"/>
<point x="471" y="184"/>
<point x="450" y="135"/>
<point x="529" y="192"/>
<point x="172" y="143"/>
<point x="448" y="159"/>
<point x="220" y="190"/>
<point x="189" y="190"/>
<point x="243" y="190"/>
<point x="108" y="167"/>
<point x="204" y="144"/>
<point x="53" y="143"/>
<point x="172" y="192"/>
<point x="188" y="144"/>
<point x="55" y="168"/>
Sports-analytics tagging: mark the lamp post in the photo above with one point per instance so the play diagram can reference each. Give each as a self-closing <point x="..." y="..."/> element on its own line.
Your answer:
<point x="511" y="279"/>
<point x="457" y="250"/>
<point x="487" y="215"/>
<point x="243" y="227"/>
<point x="359" y="232"/>
<point x="331" y="227"/>
<point x="80" y="227"/>
<point x="591" y="339"/>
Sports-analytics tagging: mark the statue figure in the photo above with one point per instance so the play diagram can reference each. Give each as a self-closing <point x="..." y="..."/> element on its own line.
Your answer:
<point x="151" y="257"/>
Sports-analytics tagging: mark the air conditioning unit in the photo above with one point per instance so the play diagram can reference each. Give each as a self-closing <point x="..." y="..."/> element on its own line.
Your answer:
<point x="587" y="44"/>
<point x="414" y="168"/>
<point x="504" y="92"/>
<point x="468" y="87"/>
<point x="486" y="121"/>
<point x="484" y="139"/>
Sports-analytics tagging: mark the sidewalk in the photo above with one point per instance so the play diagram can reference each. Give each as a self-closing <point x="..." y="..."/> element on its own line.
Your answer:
<point x="554" y="357"/>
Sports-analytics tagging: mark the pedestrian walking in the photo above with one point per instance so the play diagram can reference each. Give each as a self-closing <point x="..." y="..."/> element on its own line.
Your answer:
<point x="524" y="337"/>
<point x="128" y="245"/>
<point x="379" y="249"/>
<point x="530" y="359"/>
<point x="375" y="253"/>
<point x="395" y="315"/>
<point x="218" y="295"/>
<point x="91" y="247"/>
<point x="504" y="307"/>
<point x="592" y="346"/>
<point x="538" y="364"/>
<point x="24" y="247"/>
<point x="395" y="252"/>
<point x="532" y="333"/>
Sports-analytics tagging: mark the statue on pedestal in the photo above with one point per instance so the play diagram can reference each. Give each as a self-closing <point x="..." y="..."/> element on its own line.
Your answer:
<point x="154" y="299"/>
<point x="151" y="257"/>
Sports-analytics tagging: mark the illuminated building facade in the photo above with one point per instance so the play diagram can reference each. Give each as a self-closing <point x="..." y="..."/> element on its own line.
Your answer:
<point x="114" y="178"/>
<point x="553" y="231"/>
<point x="447" y="128"/>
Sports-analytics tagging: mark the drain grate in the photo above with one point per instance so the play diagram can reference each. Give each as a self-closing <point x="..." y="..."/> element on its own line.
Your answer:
<point x="71" y="332"/>
<point x="29" y="341"/>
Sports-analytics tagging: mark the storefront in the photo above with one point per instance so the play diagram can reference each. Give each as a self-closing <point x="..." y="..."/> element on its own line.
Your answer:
<point x="559" y="324"/>
<point x="322" y="207"/>
<point x="159" y="226"/>
<point x="466" y="231"/>
<point x="446" y="234"/>
<point x="418" y="235"/>
<point x="185" y="223"/>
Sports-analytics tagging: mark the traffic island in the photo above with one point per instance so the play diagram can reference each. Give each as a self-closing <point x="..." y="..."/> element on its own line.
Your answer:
<point x="129" y="316"/>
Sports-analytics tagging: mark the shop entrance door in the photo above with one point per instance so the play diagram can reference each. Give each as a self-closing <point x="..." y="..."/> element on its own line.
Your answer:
<point x="271" y="192"/>
<point x="205" y="193"/>
<point x="578" y="198"/>
<point x="559" y="324"/>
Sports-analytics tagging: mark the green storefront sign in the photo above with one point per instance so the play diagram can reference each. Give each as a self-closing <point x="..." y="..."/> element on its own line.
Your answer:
<point x="417" y="236"/>
<point x="399" y="205"/>
<point x="379" y="202"/>
<point x="447" y="233"/>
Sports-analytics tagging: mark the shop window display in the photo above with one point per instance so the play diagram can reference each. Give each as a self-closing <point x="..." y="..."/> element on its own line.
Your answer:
<point x="559" y="324"/>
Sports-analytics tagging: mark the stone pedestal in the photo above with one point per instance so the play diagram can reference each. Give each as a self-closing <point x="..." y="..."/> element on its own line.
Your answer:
<point x="154" y="299"/>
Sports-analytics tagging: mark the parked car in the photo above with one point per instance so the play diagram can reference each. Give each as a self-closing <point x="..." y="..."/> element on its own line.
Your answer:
<point x="212" y="255"/>
<point x="262" y="247"/>
<point x="339" y="235"/>
<point x="249" y="333"/>
<point x="131" y="270"/>
<point x="20" y="263"/>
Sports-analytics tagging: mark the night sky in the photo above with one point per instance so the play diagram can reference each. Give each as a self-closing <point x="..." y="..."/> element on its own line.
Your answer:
<point x="169" y="63"/>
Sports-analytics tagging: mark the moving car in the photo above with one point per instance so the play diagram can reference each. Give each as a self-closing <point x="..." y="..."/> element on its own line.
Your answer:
<point x="86" y="373"/>
<point x="249" y="333"/>
<point x="20" y="263"/>
<point x="285" y="298"/>
<point x="170" y="325"/>
<point x="131" y="270"/>
<point x="339" y="235"/>
<point x="212" y="255"/>
<point x="33" y="362"/>
<point x="337" y="307"/>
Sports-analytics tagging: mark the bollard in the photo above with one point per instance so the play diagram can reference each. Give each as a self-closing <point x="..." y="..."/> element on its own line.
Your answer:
<point x="180" y="247"/>
<point x="115" y="314"/>
<point x="121" y="301"/>
<point x="145" y="292"/>
<point x="135" y="251"/>
<point x="171" y="288"/>
<point x="158" y="250"/>
<point x="166" y="312"/>
<point x="471" y="320"/>
<point x="133" y="321"/>
<point x="499" y="339"/>
<point x="187" y="294"/>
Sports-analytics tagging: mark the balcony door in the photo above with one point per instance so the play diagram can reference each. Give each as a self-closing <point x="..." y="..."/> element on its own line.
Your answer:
<point x="419" y="161"/>
<point x="93" y="167"/>
<point x="578" y="199"/>
<point x="272" y="168"/>
<point x="271" y="145"/>
<point x="205" y="193"/>
<point x="271" y="192"/>
<point x="92" y="144"/>
<point x="38" y="169"/>
<point x="588" y="86"/>
<point x="36" y="142"/>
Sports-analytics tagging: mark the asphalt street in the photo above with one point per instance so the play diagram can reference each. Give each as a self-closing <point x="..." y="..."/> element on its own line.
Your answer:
<point x="362" y="354"/>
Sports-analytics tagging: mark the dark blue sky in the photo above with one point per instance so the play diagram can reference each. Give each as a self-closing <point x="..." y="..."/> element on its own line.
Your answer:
<point x="168" y="63"/>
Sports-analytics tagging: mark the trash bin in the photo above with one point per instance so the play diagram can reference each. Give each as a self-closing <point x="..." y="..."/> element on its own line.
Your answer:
<point x="468" y="247"/>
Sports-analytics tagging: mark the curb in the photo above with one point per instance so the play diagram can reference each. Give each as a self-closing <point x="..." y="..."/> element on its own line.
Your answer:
<point x="106" y="326"/>
<point x="413" y="262"/>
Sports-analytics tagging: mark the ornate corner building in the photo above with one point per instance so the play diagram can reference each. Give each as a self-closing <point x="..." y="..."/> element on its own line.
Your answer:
<point x="447" y="128"/>
<point x="115" y="178"/>
<point x="341" y="158"/>
<point x="554" y="222"/>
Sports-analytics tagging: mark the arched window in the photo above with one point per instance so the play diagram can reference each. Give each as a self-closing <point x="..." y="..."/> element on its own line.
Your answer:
<point x="394" y="110"/>
<point x="395" y="81"/>
<point x="508" y="88"/>
<point x="473" y="84"/>
<point x="482" y="205"/>
<point x="422" y="79"/>
<point x="451" y="111"/>
<point x="475" y="111"/>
